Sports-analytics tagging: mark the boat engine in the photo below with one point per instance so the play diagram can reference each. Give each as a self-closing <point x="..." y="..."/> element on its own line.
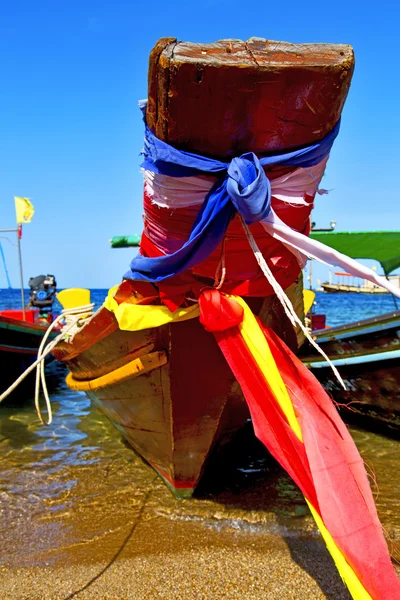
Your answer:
<point x="43" y="291"/>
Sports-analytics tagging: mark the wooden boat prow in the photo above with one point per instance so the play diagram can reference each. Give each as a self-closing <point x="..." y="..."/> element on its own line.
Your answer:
<point x="175" y="411"/>
<point x="168" y="389"/>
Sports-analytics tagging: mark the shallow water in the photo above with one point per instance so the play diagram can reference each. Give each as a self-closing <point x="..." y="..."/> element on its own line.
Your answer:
<point x="74" y="492"/>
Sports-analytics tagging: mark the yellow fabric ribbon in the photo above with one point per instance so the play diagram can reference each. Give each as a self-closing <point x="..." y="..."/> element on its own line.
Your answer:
<point x="136" y="317"/>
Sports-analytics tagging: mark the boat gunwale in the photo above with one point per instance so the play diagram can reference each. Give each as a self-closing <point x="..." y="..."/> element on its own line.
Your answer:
<point x="348" y="360"/>
<point x="356" y="325"/>
<point x="22" y="350"/>
<point x="20" y="325"/>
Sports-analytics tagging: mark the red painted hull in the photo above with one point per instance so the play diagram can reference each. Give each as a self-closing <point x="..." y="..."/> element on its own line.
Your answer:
<point x="19" y="343"/>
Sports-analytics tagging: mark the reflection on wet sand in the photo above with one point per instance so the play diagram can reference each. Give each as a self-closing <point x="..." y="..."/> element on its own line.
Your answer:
<point x="84" y="517"/>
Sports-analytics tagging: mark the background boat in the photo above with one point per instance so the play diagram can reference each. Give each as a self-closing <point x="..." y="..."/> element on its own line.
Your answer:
<point x="22" y="331"/>
<point x="22" y="328"/>
<point x="366" y="352"/>
<point x="348" y="283"/>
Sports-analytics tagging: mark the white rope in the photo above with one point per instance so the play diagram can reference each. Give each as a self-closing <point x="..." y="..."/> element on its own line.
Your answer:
<point x="284" y="300"/>
<point x="220" y="273"/>
<point x="74" y="319"/>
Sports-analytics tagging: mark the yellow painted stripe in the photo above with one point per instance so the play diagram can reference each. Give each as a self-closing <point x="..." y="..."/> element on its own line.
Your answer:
<point x="259" y="348"/>
<point x="136" y="367"/>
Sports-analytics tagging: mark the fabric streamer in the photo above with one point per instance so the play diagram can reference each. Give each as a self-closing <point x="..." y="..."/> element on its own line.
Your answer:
<point x="295" y="419"/>
<point x="136" y="317"/>
<point x="314" y="249"/>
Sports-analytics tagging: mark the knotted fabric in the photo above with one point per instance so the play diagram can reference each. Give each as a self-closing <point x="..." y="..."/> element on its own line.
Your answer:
<point x="242" y="187"/>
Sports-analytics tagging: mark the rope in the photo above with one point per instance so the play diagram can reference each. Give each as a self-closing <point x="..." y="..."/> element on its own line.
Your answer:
<point x="284" y="300"/>
<point x="220" y="273"/>
<point x="74" y="319"/>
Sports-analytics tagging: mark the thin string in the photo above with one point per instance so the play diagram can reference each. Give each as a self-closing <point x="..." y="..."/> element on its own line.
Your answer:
<point x="221" y="268"/>
<point x="284" y="300"/>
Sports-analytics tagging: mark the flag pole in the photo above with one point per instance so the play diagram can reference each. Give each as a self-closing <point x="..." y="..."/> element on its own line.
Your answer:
<point x="24" y="212"/>
<point x="19" y="235"/>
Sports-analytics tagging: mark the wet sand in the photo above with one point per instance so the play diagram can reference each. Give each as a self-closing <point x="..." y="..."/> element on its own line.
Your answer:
<point x="155" y="558"/>
<point x="254" y="577"/>
<point x="82" y="516"/>
<point x="124" y="543"/>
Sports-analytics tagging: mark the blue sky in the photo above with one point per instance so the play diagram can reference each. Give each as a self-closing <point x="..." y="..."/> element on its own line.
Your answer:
<point x="72" y="73"/>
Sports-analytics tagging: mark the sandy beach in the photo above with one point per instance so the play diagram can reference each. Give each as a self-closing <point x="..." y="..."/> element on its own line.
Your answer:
<point x="178" y="560"/>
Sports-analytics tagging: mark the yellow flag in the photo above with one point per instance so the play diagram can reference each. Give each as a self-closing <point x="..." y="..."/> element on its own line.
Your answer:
<point x="23" y="209"/>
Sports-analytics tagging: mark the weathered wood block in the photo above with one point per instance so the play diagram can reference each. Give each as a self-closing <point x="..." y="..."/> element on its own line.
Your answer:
<point x="230" y="97"/>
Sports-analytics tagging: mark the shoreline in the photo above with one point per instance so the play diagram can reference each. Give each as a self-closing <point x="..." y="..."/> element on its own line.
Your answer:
<point x="181" y="560"/>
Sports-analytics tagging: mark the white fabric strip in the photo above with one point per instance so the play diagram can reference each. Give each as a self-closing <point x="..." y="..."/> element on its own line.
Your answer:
<point x="177" y="192"/>
<point x="184" y="192"/>
<point x="297" y="242"/>
<point x="292" y="188"/>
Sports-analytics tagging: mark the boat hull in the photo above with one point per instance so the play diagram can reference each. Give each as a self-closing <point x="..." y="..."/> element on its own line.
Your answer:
<point x="173" y="411"/>
<point x="168" y="390"/>
<point x="336" y="288"/>
<point x="19" y="344"/>
<point x="373" y="391"/>
<point x="367" y="355"/>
